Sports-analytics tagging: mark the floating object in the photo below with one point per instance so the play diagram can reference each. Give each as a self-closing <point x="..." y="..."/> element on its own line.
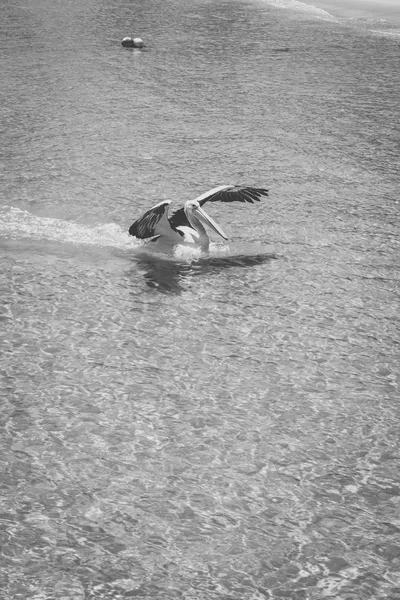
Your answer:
<point x="187" y="225"/>
<point x="129" y="42"/>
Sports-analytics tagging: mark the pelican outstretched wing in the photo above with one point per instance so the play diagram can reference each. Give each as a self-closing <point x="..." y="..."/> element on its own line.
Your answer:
<point x="153" y="222"/>
<point x="232" y="193"/>
<point x="222" y="193"/>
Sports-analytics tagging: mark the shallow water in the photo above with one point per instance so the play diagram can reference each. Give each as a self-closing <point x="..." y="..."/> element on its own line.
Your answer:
<point x="201" y="427"/>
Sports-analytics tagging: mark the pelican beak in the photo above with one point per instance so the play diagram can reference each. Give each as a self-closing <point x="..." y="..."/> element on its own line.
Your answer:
<point x="207" y="220"/>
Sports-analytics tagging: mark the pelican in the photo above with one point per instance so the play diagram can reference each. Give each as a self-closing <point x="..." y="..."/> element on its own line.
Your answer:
<point x="187" y="225"/>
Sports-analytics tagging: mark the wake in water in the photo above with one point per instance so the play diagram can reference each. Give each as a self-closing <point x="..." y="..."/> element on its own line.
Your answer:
<point x="20" y="224"/>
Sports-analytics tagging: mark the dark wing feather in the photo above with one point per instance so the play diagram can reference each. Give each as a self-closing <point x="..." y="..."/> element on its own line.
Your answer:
<point x="146" y="226"/>
<point x="236" y="193"/>
<point x="179" y="218"/>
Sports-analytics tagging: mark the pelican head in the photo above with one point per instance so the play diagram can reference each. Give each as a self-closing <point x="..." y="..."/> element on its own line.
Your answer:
<point x="194" y="213"/>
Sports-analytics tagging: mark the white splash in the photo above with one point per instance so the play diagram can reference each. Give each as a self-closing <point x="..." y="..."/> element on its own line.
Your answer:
<point x="190" y="253"/>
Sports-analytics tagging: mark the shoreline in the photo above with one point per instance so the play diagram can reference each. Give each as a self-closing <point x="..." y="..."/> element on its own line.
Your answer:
<point x="361" y="9"/>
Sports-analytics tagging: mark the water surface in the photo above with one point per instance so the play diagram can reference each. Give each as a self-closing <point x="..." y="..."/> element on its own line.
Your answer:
<point x="221" y="427"/>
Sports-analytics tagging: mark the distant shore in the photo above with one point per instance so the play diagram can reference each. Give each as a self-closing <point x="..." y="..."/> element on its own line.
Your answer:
<point x="350" y="9"/>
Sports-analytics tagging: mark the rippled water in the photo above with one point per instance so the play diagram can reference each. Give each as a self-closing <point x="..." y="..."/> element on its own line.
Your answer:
<point x="220" y="427"/>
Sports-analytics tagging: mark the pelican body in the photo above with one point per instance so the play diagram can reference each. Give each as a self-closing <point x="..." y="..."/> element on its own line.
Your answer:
<point x="187" y="226"/>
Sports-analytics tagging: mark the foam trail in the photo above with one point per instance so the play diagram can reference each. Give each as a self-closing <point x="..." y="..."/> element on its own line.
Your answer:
<point x="20" y="224"/>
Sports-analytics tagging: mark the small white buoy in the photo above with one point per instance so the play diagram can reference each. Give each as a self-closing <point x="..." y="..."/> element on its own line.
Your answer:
<point x="138" y="43"/>
<point x="129" y="42"/>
